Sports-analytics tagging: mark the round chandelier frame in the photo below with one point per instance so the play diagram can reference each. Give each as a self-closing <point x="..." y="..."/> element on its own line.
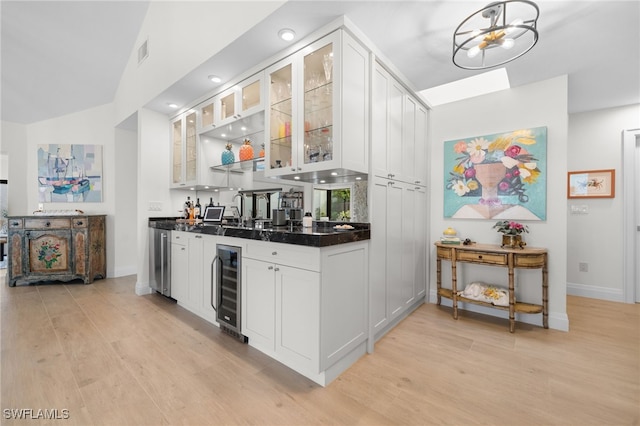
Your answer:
<point x="477" y="45"/>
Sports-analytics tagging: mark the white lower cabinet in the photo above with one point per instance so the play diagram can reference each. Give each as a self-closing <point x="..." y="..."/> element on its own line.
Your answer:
<point x="192" y="272"/>
<point x="179" y="266"/>
<point x="398" y="250"/>
<point x="312" y="320"/>
<point x="280" y="312"/>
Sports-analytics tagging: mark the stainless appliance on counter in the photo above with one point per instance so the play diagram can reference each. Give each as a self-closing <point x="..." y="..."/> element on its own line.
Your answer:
<point x="228" y="285"/>
<point x="160" y="260"/>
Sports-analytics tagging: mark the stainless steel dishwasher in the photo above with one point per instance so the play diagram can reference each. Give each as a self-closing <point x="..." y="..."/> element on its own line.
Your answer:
<point x="160" y="260"/>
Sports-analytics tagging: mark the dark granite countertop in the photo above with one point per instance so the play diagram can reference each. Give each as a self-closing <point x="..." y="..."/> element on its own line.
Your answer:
<point x="322" y="234"/>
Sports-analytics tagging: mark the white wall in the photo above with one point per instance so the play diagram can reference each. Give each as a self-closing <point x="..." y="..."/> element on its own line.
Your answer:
<point x="595" y="142"/>
<point x="153" y="184"/>
<point x="126" y="189"/>
<point x="91" y="126"/>
<point x="534" y="105"/>
<point x="181" y="36"/>
<point x="14" y="145"/>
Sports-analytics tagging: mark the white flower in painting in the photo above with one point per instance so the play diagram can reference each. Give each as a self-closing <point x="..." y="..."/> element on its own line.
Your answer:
<point x="509" y="162"/>
<point x="460" y="188"/>
<point x="478" y="146"/>
<point x="525" y="169"/>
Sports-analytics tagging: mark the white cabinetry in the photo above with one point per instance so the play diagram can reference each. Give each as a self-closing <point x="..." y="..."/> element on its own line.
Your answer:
<point x="398" y="201"/>
<point x="317" y="109"/>
<point x="306" y="307"/>
<point x="399" y="130"/>
<point x="184" y="150"/>
<point x="192" y="282"/>
<point x="179" y="266"/>
<point x="242" y="100"/>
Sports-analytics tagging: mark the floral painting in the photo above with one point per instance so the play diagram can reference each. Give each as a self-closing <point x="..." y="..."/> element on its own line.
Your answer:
<point x="69" y="173"/>
<point x="499" y="176"/>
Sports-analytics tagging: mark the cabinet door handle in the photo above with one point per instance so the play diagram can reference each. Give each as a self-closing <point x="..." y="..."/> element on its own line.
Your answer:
<point x="274" y="253"/>
<point x="270" y="268"/>
<point x="293" y="169"/>
<point x="47" y="224"/>
<point x="198" y="236"/>
<point x="79" y="223"/>
<point x="391" y="183"/>
<point x="214" y="284"/>
<point x="276" y="269"/>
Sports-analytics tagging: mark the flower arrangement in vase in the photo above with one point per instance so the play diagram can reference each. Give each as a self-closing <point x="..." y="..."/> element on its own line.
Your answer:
<point x="228" y="157"/>
<point x="511" y="233"/>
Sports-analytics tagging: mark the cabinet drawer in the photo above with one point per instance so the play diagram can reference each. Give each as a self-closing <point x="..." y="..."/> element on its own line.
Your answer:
<point x="481" y="257"/>
<point x="529" y="260"/>
<point x="59" y="223"/>
<point x="444" y="253"/>
<point x="178" y="237"/>
<point x="15" y="224"/>
<point x="285" y="254"/>
<point x="79" y="222"/>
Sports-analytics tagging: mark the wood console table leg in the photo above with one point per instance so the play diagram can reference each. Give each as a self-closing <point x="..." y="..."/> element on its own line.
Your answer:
<point x="545" y="294"/>
<point x="512" y="296"/>
<point x="438" y="279"/>
<point x="454" y="284"/>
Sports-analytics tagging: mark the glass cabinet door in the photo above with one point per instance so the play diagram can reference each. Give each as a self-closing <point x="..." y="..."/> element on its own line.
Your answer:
<point x="191" y="147"/>
<point x="206" y="114"/>
<point x="176" y="137"/>
<point x="281" y="118"/>
<point x="228" y="106"/>
<point x="318" y="105"/>
<point x="251" y="95"/>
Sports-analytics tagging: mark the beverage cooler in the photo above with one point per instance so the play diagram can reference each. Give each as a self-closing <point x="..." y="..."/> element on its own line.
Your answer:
<point x="227" y="292"/>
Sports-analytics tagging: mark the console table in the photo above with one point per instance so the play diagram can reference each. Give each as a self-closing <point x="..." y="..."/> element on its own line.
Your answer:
<point x="56" y="248"/>
<point x="494" y="255"/>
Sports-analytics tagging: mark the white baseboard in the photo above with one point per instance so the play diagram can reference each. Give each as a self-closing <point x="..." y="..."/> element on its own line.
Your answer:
<point x="596" y="292"/>
<point x="123" y="271"/>
<point x="557" y="320"/>
<point x="143" y="288"/>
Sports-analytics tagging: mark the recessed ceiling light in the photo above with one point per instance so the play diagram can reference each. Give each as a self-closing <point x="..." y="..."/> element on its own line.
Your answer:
<point x="287" y="34"/>
<point x="358" y="178"/>
<point x="172" y="105"/>
<point x="296" y="177"/>
<point x="214" y="78"/>
<point x="334" y="173"/>
<point x="323" y="181"/>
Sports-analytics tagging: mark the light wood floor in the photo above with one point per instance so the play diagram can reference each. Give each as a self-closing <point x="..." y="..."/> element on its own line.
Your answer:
<point x="113" y="358"/>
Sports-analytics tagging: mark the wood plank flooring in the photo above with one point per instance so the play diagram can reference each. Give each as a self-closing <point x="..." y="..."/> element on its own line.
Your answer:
<point x="110" y="357"/>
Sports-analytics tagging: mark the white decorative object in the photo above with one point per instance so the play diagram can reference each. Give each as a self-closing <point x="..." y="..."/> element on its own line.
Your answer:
<point x="486" y="293"/>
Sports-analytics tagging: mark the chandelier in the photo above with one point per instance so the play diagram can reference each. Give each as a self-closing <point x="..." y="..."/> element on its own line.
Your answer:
<point x="499" y="33"/>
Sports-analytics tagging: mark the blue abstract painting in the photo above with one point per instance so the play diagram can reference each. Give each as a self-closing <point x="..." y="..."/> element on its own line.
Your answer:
<point x="69" y="173"/>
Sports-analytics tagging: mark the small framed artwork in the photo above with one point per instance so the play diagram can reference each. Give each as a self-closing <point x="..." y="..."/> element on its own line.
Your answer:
<point x="591" y="184"/>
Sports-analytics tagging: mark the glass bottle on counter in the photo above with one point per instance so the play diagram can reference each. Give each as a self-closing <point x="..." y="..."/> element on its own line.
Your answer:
<point x="198" y="210"/>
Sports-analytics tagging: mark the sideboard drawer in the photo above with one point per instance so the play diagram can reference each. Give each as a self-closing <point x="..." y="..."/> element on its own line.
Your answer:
<point x="58" y="223"/>
<point x="481" y="257"/>
<point x="529" y="260"/>
<point x="79" y="222"/>
<point x="15" y="223"/>
<point x="444" y="253"/>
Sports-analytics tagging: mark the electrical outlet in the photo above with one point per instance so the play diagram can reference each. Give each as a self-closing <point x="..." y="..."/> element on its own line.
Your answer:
<point x="583" y="267"/>
<point x="579" y="209"/>
<point x="154" y="206"/>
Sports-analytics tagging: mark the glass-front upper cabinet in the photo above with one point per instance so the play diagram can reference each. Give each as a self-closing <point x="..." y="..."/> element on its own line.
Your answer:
<point x="242" y="100"/>
<point x="318" y="110"/>
<point x="280" y="115"/>
<point x="318" y="105"/>
<point x="184" y="150"/>
<point x="207" y="110"/>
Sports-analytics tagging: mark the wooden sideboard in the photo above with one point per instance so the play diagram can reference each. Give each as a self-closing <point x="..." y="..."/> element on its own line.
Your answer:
<point x="494" y="255"/>
<point x="56" y="248"/>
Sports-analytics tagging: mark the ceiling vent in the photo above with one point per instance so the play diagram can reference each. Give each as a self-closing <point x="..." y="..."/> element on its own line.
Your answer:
<point x="143" y="51"/>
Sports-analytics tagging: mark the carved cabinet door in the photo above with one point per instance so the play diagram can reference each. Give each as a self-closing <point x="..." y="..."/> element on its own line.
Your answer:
<point x="48" y="252"/>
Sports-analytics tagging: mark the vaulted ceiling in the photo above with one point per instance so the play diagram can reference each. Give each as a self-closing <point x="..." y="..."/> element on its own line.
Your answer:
<point x="60" y="57"/>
